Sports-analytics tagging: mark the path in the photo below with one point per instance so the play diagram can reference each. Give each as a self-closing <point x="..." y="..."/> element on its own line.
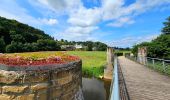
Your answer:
<point x="143" y="83"/>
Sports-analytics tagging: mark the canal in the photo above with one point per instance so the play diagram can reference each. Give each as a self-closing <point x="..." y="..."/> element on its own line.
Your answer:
<point x="95" y="89"/>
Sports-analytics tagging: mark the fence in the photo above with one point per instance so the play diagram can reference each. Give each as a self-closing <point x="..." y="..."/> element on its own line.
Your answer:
<point x="160" y="65"/>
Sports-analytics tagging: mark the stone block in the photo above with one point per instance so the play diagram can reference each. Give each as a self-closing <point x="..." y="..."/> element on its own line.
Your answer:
<point x="60" y="74"/>
<point x="14" y="89"/>
<point x="65" y="80"/>
<point x="26" y="97"/>
<point x="56" y="92"/>
<point x="39" y="86"/>
<point x="36" y="78"/>
<point x="7" y="97"/>
<point x="8" y="77"/>
<point x="68" y="96"/>
<point x="42" y="96"/>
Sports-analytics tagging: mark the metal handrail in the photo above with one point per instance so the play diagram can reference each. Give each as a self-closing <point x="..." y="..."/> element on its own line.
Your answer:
<point x="115" y="82"/>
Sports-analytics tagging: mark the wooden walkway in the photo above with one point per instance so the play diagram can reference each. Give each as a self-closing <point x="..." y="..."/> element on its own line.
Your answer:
<point x="143" y="83"/>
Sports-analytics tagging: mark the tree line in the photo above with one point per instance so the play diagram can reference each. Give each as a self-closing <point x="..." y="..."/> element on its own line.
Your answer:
<point x="19" y="37"/>
<point x="159" y="47"/>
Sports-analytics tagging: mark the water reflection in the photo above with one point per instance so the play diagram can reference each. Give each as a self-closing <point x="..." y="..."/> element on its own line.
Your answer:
<point x="94" y="89"/>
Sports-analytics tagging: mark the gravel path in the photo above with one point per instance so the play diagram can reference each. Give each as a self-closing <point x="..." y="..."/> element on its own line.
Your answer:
<point x="144" y="83"/>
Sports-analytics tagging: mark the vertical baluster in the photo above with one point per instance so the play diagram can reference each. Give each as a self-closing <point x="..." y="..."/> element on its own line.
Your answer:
<point x="153" y="63"/>
<point x="163" y="64"/>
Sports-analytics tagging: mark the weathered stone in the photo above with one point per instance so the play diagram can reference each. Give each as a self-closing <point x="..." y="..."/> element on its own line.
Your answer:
<point x="69" y="87"/>
<point x="37" y="77"/>
<point x="26" y="97"/>
<point x="7" y="97"/>
<point x="60" y="74"/>
<point x="15" y="89"/>
<point x="42" y="96"/>
<point x="57" y="83"/>
<point x="0" y="89"/>
<point x="8" y="76"/>
<point x="56" y="92"/>
<point x="68" y="96"/>
<point x="65" y="80"/>
<point x="39" y="86"/>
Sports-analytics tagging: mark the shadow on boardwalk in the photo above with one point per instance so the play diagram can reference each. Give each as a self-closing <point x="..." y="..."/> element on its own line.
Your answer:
<point x="144" y="83"/>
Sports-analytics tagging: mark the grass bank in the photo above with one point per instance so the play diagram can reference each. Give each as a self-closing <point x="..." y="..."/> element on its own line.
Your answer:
<point x="93" y="62"/>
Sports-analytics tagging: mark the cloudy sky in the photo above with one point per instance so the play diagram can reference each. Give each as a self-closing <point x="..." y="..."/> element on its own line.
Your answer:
<point x="115" y="22"/>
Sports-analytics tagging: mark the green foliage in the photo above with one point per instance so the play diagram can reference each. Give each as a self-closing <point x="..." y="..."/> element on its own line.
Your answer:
<point x="14" y="47"/>
<point x="2" y="44"/>
<point x="159" y="47"/>
<point x="20" y="37"/>
<point x="47" y="45"/>
<point x="166" y="29"/>
<point x="90" y="45"/>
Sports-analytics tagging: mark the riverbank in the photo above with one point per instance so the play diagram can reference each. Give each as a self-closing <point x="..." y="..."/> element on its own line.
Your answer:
<point x="93" y="62"/>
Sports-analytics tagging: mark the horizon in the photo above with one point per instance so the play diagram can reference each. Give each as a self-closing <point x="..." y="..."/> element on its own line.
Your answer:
<point x="118" y="23"/>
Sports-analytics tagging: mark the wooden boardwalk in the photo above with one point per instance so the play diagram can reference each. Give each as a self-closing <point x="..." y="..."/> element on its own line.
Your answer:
<point x="143" y="83"/>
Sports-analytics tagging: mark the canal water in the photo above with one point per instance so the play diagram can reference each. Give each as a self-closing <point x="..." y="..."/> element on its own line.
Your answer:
<point x="95" y="89"/>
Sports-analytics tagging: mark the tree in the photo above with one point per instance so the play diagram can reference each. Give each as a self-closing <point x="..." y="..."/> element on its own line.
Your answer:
<point x="14" y="47"/>
<point x="2" y="44"/>
<point x="89" y="45"/>
<point x="48" y="45"/>
<point x="166" y="28"/>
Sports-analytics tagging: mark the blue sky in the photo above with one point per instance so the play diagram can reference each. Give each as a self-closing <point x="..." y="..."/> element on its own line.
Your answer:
<point x="120" y="23"/>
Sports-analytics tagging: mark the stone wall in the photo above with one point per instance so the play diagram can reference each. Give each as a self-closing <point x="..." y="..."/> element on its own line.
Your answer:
<point x="108" y="71"/>
<point x="52" y="82"/>
<point x="142" y="54"/>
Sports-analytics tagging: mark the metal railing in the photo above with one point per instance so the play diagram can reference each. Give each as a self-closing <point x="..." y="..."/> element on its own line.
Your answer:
<point x="118" y="85"/>
<point x="160" y="65"/>
<point x="115" y="82"/>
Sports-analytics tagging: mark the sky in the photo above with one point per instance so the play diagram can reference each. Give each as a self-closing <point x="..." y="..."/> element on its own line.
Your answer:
<point x="121" y="23"/>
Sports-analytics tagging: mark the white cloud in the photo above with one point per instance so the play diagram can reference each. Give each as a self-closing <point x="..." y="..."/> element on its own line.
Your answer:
<point x="85" y="17"/>
<point x="115" y="12"/>
<point x="121" y="21"/>
<point x="21" y="14"/>
<point x="130" y="41"/>
<point x="82" y="21"/>
<point x="76" y="33"/>
<point x="49" y="21"/>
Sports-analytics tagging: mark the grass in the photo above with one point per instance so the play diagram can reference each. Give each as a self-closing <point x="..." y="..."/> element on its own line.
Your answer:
<point x="158" y="66"/>
<point x="93" y="62"/>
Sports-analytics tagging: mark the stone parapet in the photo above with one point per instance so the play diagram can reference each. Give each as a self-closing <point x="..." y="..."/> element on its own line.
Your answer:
<point x="47" y="82"/>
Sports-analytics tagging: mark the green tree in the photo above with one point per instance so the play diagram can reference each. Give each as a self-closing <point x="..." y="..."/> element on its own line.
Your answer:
<point x="2" y="44"/>
<point x="14" y="47"/>
<point x="166" y="28"/>
<point x="89" y="45"/>
<point x="48" y="45"/>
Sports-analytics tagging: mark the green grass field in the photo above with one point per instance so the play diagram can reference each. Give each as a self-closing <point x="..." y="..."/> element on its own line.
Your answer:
<point x="93" y="62"/>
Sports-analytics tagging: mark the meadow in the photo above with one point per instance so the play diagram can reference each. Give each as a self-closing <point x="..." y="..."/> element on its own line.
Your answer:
<point x="93" y="62"/>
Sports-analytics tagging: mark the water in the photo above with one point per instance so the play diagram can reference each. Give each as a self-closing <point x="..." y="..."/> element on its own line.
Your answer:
<point x="95" y="89"/>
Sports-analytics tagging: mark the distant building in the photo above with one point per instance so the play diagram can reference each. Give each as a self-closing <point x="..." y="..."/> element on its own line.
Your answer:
<point x="68" y="47"/>
<point x="78" y="46"/>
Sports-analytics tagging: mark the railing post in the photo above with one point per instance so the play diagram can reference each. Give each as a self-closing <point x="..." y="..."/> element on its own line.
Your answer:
<point x="163" y="64"/>
<point x="153" y="63"/>
<point x="146" y="61"/>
